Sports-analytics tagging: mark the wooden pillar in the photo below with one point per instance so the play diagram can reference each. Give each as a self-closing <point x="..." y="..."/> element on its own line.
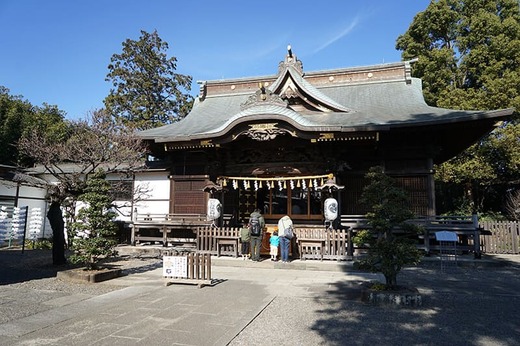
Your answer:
<point x="350" y="247"/>
<point x="476" y="236"/>
<point x="431" y="189"/>
<point x="431" y="204"/>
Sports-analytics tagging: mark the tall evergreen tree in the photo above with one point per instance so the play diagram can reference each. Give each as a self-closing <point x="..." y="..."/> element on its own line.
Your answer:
<point x="468" y="58"/>
<point x="147" y="91"/>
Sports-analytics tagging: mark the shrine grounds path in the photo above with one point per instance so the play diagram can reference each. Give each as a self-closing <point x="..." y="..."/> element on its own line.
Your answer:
<point x="265" y="303"/>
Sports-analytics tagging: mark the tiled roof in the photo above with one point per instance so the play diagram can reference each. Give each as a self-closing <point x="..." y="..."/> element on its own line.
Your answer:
<point x="359" y="103"/>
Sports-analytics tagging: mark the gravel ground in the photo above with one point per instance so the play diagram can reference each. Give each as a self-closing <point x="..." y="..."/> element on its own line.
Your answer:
<point x="34" y="270"/>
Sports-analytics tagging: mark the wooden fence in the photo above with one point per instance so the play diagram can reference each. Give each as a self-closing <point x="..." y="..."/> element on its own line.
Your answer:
<point x="196" y="269"/>
<point x="308" y="243"/>
<point x="219" y="241"/>
<point x="504" y="237"/>
<point x="466" y="228"/>
<point x="166" y="228"/>
<point x="496" y="236"/>
<point x="319" y="243"/>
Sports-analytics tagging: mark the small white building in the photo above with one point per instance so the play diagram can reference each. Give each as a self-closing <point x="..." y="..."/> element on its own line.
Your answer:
<point x="145" y="192"/>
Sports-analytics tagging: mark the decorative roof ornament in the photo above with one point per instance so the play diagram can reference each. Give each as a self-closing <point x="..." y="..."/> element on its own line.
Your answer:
<point x="292" y="61"/>
<point x="203" y="89"/>
<point x="292" y="86"/>
<point x="263" y="96"/>
<point x="211" y="187"/>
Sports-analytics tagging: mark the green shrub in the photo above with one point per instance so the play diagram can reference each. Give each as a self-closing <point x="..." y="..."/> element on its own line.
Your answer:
<point x="388" y="251"/>
<point x="95" y="229"/>
<point x="38" y="244"/>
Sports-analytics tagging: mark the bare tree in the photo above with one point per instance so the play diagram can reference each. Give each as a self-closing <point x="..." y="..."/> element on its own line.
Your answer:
<point x="99" y="141"/>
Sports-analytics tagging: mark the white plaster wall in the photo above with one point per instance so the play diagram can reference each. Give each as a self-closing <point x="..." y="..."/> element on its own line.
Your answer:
<point x="156" y="184"/>
<point x="7" y="188"/>
<point x="153" y="198"/>
<point x="154" y="195"/>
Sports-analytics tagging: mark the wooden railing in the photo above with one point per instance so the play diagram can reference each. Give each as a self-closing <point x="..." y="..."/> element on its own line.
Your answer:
<point x="170" y="218"/>
<point x="219" y="241"/>
<point x="195" y="268"/>
<point x="317" y="242"/>
<point x="320" y="243"/>
<point x="166" y="228"/>
<point x="466" y="227"/>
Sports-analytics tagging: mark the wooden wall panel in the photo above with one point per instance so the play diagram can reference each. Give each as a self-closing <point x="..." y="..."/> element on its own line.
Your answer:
<point x="187" y="196"/>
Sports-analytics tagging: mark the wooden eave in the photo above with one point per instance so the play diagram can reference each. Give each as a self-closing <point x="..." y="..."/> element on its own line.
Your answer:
<point x="311" y="137"/>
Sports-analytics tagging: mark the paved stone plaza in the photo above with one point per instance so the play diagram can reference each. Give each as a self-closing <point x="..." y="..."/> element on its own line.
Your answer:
<point x="300" y="303"/>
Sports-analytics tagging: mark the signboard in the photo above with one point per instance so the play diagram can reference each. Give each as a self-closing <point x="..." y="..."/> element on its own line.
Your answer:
<point x="175" y="266"/>
<point x="446" y="236"/>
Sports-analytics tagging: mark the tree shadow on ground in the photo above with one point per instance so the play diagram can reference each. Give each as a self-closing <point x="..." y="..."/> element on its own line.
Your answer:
<point x="17" y="266"/>
<point x="141" y="268"/>
<point x="467" y="306"/>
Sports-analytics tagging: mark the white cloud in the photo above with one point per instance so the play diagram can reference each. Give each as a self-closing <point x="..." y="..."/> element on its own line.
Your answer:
<point x="339" y="35"/>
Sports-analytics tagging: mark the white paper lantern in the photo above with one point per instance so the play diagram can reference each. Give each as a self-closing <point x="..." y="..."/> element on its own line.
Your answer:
<point x="331" y="209"/>
<point x="214" y="209"/>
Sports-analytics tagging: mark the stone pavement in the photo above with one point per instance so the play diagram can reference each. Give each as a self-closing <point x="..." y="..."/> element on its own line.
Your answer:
<point x="301" y="303"/>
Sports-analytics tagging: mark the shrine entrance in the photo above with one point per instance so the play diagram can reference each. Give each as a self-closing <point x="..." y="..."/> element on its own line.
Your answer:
<point x="299" y="197"/>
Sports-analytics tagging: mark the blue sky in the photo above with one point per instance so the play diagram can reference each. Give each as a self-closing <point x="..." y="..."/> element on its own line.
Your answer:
<point x="57" y="51"/>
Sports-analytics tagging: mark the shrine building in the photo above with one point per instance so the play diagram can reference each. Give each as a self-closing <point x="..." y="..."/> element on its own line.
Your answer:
<point x="272" y="142"/>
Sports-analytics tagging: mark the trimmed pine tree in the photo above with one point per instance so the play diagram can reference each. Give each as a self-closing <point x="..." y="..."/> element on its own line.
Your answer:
<point x="95" y="229"/>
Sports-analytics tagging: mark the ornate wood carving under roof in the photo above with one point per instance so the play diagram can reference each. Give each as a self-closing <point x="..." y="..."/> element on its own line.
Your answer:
<point x="264" y="132"/>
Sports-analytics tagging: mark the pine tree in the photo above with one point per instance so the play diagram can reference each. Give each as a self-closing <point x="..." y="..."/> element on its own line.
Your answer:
<point x="147" y="91"/>
<point x="95" y="228"/>
<point x="389" y="209"/>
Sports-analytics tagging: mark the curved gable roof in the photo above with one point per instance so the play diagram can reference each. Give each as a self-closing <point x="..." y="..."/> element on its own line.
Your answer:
<point x="370" y="98"/>
<point x="290" y="73"/>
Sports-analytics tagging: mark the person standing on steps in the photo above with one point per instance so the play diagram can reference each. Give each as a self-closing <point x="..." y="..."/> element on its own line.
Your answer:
<point x="274" y="242"/>
<point x="256" y="228"/>
<point x="285" y="232"/>
<point x="245" y="239"/>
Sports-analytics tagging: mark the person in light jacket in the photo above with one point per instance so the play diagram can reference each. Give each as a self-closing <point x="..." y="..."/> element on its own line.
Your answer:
<point x="285" y="240"/>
